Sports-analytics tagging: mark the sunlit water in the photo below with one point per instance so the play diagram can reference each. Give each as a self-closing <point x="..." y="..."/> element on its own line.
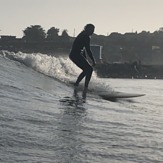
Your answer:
<point x="41" y="120"/>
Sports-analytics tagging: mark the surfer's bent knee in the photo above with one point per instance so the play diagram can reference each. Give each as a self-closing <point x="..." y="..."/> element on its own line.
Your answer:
<point x="89" y="69"/>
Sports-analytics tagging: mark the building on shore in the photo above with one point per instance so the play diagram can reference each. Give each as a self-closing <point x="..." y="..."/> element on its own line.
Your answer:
<point x="97" y="52"/>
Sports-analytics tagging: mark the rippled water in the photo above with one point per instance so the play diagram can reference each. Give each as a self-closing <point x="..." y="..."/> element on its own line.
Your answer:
<point x="42" y="120"/>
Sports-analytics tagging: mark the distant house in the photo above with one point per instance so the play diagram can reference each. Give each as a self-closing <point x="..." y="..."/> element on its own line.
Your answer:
<point x="8" y="38"/>
<point x="97" y="52"/>
<point x="10" y="43"/>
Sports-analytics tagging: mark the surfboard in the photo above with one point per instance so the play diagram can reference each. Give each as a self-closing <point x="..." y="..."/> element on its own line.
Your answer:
<point x="117" y="95"/>
<point x="108" y="95"/>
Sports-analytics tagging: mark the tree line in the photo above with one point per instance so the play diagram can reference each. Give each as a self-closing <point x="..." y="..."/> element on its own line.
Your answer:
<point x="36" y="39"/>
<point x="37" y="33"/>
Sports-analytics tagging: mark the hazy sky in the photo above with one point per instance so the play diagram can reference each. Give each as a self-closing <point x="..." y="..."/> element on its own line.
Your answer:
<point x="107" y="15"/>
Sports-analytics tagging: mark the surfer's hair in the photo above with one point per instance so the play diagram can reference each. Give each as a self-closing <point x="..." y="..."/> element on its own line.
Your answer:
<point x="89" y="26"/>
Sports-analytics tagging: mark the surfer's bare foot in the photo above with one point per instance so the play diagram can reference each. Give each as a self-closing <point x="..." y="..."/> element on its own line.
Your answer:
<point x="84" y="93"/>
<point x="85" y="89"/>
<point x="76" y="87"/>
<point x="76" y="84"/>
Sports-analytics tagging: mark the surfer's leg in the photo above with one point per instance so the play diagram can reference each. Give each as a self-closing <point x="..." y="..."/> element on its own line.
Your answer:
<point x="82" y="63"/>
<point x="87" y="80"/>
<point x="80" y="77"/>
<point x="88" y="76"/>
<point x="87" y="73"/>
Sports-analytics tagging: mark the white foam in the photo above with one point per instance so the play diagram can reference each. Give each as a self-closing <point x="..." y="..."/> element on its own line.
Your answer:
<point x="58" y="67"/>
<point x="61" y="68"/>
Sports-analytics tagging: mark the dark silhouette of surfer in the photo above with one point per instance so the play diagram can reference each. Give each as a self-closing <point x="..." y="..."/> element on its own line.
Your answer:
<point x="78" y="55"/>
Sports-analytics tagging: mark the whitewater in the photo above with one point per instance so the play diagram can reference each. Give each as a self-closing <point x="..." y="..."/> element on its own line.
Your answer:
<point x="43" y="121"/>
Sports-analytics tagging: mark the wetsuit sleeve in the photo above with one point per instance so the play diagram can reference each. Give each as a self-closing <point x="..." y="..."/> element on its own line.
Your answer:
<point x="84" y="53"/>
<point x="88" y="49"/>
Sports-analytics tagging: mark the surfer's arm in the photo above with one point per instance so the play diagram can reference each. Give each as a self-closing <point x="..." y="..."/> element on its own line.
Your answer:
<point x="84" y="53"/>
<point x="89" y="52"/>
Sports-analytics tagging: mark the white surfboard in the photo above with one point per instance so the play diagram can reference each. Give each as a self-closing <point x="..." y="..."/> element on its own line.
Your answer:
<point x="116" y="95"/>
<point x="108" y="95"/>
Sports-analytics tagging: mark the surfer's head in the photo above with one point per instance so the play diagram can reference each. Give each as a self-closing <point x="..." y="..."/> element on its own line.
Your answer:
<point x="89" y="29"/>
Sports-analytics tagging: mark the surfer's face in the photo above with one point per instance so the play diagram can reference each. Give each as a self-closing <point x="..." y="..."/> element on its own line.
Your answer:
<point x="90" y="31"/>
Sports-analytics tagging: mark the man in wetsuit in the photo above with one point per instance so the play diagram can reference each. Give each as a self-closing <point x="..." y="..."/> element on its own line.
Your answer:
<point x="77" y="55"/>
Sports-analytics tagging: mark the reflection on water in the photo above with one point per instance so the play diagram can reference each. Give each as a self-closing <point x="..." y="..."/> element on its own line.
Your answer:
<point x="71" y="127"/>
<point x="76" y="100"/>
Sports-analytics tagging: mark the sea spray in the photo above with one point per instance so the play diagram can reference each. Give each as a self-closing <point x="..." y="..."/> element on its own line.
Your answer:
<point x="60" y="68"/>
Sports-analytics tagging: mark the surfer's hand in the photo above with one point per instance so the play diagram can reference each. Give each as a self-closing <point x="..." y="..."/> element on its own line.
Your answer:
<point x="93" y="64"/>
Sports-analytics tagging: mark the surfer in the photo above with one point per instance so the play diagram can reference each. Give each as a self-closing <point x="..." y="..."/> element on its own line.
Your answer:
<point x="78" y="55"/>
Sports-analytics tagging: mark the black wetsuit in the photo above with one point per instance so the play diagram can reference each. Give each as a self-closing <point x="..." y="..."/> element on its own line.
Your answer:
<point x="77" y="55"/>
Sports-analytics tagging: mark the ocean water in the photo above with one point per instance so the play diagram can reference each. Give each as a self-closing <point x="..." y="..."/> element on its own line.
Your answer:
<point x="42" y="120"/>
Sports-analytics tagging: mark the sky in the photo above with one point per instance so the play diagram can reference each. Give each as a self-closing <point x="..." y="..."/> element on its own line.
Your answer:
<point x="108" y="16"/>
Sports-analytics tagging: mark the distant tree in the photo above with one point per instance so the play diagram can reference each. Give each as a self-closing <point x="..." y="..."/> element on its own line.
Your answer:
<point x="34" y="33"/>
<point x="64" y="34"/>
<point x="158" y="37"/>
<point x="52" y="33"/>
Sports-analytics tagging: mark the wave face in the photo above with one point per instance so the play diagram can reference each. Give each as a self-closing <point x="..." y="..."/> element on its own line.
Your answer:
<point x="58" y="67"/>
